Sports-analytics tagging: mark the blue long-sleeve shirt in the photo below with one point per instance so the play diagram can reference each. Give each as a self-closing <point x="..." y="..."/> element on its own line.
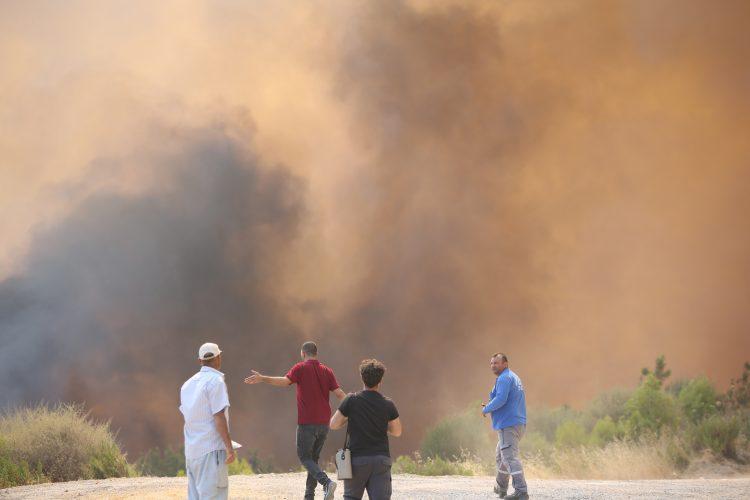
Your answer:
<point x="507" y="402"/>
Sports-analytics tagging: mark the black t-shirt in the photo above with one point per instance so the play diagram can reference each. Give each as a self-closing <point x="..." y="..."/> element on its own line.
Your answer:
<point x="369" y="413"/>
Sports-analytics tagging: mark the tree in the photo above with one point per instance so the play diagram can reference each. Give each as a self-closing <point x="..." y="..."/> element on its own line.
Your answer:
<point x="649" y="409"/>
<point x="660" y="370"/>
<point x="698" y="399"/>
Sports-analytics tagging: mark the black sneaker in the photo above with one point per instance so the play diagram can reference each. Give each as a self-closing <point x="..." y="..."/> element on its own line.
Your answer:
<point x="500" y="491"/>
<point x="329" y="489"/>
<point x="518" y="495"/>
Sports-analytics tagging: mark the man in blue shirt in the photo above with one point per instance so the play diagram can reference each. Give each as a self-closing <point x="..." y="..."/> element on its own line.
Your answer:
<point x="507" y="405"/>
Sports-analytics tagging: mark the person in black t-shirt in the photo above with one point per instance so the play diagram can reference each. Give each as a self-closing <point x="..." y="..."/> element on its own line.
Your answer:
<point x="371" y="418"/>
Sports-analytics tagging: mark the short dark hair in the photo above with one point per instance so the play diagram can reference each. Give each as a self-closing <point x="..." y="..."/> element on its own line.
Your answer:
<point x="501" y="356"/>
<point x="310" y="348"/>
<point x="372" y="372"/>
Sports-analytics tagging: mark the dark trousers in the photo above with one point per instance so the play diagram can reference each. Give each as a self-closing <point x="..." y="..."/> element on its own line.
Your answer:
<point x="371" y="473"/>
<point x="310" y="440"/>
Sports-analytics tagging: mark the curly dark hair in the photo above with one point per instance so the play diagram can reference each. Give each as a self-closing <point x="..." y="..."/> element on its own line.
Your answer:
<point x="372" y="372"/>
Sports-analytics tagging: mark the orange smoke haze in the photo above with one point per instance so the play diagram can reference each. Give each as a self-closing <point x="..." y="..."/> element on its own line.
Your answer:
<point x="422" y="182"/>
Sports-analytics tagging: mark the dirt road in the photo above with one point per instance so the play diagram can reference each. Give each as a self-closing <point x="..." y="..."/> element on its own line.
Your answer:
<point x="287" y="486"/>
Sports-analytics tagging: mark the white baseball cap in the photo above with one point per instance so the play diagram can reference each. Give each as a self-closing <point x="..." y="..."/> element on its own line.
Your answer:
<point x="209" y="350"/>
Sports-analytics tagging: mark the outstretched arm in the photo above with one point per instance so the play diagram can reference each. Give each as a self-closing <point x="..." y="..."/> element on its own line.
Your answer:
<point x="257" y="378"/>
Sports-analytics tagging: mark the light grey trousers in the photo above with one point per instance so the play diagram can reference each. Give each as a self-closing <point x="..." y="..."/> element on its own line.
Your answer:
<point x="208" y="476"/>
<point x="508" y="459"/>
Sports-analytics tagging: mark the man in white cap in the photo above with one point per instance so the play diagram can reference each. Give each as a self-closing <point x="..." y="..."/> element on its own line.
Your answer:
<point x="204" y="402"/>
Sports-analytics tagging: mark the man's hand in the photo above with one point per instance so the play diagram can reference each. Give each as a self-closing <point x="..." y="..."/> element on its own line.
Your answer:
<point x="255" y="378"/>
<point x="483" y="413"/>
<point x="230" y="457"/>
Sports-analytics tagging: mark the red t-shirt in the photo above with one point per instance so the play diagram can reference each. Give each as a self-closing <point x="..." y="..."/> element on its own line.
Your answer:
<point x="314" y="382"/>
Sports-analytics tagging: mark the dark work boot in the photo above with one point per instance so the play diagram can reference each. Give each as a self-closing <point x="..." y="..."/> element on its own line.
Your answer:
<point x="500" y="491"/>
<point x="518" y="495"/>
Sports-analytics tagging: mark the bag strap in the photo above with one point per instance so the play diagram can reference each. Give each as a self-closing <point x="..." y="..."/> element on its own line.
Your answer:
<point x="346" y="444"/>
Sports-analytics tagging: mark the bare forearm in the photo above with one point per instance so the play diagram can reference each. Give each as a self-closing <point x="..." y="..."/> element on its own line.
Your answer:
<point x="394" y="427"/>
<point x="223" y="429"/>
<point x="277" y="381"/>
<point x="340" y="394"/>
<point x="337" y="421"/>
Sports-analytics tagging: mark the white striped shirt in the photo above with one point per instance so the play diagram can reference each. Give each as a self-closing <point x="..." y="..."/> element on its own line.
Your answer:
<point x="202" y="396"/>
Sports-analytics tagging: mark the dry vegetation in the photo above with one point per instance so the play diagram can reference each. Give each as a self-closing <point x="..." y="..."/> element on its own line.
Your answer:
<point x="58" y="443"/>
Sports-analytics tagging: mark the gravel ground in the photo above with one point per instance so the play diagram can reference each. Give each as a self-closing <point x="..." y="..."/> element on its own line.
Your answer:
<point x="288" y="486"/>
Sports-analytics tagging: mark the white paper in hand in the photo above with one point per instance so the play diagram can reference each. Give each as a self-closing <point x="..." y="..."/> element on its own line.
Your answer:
<point x="236" y="445"/>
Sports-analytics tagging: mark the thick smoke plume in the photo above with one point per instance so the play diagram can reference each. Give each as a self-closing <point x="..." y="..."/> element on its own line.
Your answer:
<point x="422" y="182"/>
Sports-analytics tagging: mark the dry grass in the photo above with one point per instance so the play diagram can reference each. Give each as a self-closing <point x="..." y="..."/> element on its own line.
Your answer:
<point x="61" y="442"/>
<point x="619" y="460"/>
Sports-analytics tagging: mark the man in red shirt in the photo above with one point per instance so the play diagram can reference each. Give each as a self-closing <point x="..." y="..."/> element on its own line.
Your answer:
<point x="314" y="383"/>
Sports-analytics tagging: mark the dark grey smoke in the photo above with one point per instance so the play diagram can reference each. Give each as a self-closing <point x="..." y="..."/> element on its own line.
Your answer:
<point x="117" y="295"/>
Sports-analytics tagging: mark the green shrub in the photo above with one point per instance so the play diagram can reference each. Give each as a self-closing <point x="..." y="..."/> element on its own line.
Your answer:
<point x="16" y="473"/>
<point x="62" y="442"/>
<point x="676" y="387"/>
<point x="457" y="435"/>
<point x="547" y="420"/>
<point x="659" y="373"/>
<point x="605" y="431"/>
<point x="718" y="434"/>
<point x="535" y="444"/>
<point x="161" y="462"/>
<point x="649" y="409"/>
<point x="570" y="434"/>
<point x="738" y="395"/>
<point x="435" y="467"/>
<point x="240" y="467"/>
<point x="610" y="404"/>
<point x="745" y="424"/>
<point x="698" y="399"/>
<point x="260" y="465"/>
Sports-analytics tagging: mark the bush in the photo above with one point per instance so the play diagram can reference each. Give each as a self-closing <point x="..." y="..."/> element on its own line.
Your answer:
<point x="623" y="460"/>
<point x="610" y="404"/>
<point x="718" y="434"/>
<point x="649" y="409"/>
<point x="171" y="463"/>
<point x="16" y="473"/>
<point x="161" y="463"/>
<point x="535" y="444"/>
<point x="60" y="444"/>
<point x="458" y="435"/>
<point x="436" y="466"/>
<point x="605" y="431"/>
<point x="738" y="395"/>
<point x="698" y="399"/>
<point x="570" y="434"/>
<point x="676" y="454"/>
<point x="546" y="420"/>
<point x="259" y="464"/>
<point x="240" y="467"/>
<point x="676" y="387"/>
